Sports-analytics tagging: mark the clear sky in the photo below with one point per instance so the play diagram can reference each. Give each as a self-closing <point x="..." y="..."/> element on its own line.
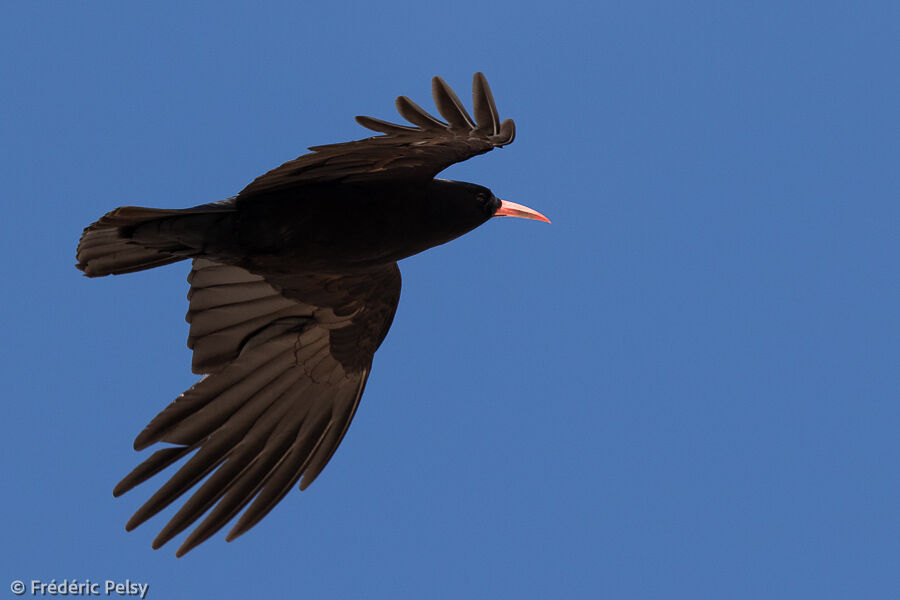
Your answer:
<point x="687" y="386"/>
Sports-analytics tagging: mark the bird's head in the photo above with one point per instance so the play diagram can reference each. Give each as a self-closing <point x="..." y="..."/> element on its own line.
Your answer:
<point x="457" y="207"/>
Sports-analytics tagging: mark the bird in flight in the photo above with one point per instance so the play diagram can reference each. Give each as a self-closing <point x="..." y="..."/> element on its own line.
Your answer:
<point x="293" y="286"/>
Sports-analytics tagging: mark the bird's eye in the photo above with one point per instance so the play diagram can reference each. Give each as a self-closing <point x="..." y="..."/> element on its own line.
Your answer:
<point x="484" y="203"/>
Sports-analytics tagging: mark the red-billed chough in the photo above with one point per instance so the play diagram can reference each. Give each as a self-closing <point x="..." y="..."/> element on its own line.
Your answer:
<point x="294" y="284"/>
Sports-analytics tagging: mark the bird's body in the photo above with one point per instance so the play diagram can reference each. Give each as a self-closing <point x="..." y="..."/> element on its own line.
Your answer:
<point x="322" y="228"/>
<point x="294" y="286"/>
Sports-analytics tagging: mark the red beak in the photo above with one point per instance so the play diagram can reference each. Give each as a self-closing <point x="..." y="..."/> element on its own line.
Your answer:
<point x="511" y="209"/>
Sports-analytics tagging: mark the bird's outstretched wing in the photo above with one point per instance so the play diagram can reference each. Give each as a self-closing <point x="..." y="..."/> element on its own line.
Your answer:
<point x="402" y="153"/>
<point x="287" y="360"/>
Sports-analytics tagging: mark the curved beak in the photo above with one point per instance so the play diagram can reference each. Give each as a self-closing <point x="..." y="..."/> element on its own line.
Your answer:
<point x="511" y="209"/>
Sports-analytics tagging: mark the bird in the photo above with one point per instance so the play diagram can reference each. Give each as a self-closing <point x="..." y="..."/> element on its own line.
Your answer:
<point x="294" y="283"/>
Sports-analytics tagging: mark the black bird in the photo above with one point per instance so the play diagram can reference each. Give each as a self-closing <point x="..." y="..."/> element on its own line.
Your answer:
<point x="294" y="284"/>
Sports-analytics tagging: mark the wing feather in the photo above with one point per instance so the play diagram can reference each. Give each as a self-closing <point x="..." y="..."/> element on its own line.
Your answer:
<point x="450" y="107"/>
<point x="403" y="152"/>
<point x="227" y="306"/>
<point x="385" y="126"/>
<point x="286" y="474"/>
<point x="238" y="493"/>
<point x="485" y="108"/>
<point x="214" y="450"/>
<point x="417" y="115"/>
<point x="275" y="412"/>
<point x="225" y="477"/>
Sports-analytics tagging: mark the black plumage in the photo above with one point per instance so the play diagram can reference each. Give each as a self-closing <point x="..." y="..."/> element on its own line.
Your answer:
<point x="294" y="285"/>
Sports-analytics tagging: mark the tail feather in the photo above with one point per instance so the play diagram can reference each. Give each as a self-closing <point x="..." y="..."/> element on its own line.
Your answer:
<point x="107" y="247"/>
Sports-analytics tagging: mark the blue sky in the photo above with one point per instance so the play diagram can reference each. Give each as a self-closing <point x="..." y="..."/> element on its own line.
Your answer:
<point x="685" y="387"/>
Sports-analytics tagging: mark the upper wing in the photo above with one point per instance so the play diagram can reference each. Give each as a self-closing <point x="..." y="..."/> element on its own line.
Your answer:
<point x="288" y="360"/>
<point x="419" y="152"/>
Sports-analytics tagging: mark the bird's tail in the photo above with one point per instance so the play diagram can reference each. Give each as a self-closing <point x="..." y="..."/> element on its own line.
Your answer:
<point x="134" y="238"/>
